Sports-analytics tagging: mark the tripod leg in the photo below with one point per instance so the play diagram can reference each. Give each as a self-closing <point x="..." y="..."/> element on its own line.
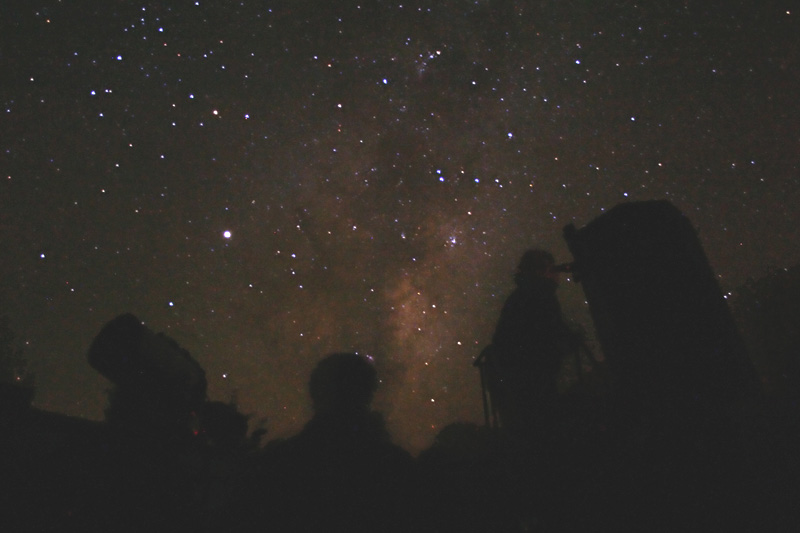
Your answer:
<point x="485" y="395"/>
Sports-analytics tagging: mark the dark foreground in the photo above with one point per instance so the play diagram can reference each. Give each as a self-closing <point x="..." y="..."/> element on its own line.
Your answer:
<point x="65" y="474"/>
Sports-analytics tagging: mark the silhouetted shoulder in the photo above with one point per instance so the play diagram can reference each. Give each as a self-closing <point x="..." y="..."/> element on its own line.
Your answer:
<point x="341" y="472"/>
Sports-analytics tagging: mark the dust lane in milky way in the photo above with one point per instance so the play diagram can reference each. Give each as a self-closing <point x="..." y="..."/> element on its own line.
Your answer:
<point x="380" y="167"/>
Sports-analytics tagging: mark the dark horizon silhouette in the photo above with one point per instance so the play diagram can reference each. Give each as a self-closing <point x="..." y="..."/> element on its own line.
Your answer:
<point x="683" y="439"/>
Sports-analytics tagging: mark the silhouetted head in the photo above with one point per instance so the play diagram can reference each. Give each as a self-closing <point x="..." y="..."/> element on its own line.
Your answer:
<point x="343" y="383"/>
<point x="535" y="264"/>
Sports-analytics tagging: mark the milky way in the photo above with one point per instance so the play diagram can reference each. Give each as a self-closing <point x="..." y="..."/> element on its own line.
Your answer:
<point x="380" y="167"/>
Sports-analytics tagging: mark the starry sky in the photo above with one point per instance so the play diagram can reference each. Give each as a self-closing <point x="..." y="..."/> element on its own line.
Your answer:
<point x="271" y="181"/>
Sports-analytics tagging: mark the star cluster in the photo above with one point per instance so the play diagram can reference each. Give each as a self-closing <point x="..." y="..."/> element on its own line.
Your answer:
<point x="271" y="181"/>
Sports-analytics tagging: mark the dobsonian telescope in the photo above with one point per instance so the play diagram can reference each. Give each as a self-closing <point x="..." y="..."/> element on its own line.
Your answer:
<point x="666" y="331"/>
<point x="150" y="365"/>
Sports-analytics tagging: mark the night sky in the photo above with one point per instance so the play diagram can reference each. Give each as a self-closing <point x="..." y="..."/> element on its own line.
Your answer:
<point x="271" y="181"/>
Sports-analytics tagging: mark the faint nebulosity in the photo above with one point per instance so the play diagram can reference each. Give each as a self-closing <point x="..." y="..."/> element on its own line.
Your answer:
<point x="268" y="182"/>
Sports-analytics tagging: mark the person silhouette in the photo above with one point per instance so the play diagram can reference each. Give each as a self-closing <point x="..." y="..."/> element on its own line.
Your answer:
<point x="341" y="472"/>
<point x="528" y="346"/>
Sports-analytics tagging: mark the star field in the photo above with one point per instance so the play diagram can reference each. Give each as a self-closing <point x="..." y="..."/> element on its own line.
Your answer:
<point x="268" y="182"/>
